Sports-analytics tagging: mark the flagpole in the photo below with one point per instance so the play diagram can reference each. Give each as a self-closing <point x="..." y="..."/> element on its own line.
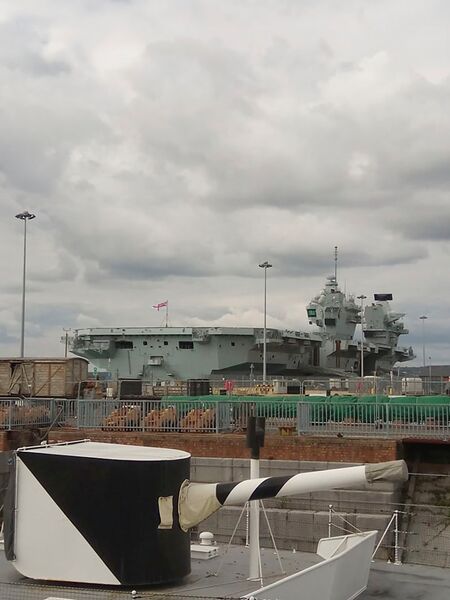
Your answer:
<point x="167" y="313"/>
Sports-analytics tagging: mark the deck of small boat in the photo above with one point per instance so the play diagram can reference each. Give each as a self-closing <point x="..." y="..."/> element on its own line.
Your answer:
<point x="396" y="582"/>
<point x="231" y="581"/>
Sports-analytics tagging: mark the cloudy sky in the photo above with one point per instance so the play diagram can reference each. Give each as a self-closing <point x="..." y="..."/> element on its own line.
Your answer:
<point x="169" y="147"/>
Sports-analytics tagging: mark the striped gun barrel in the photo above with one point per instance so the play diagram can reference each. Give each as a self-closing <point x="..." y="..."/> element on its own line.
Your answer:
<point x="198" y="500"/>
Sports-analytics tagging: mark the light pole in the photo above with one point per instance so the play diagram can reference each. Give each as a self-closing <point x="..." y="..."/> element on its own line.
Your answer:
<point x="265" y="265"/>
<point x="66" y="340"/>
<point x="429" y="375"/>
<point x="423" y="318"/>
<point x="24" y="216"/>
<point x="362" y="298"/>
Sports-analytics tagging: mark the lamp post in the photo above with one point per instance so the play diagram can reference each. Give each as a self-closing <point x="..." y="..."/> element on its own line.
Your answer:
<point x="362" y="298"/>
<point x="265" y="265"/>
<point x="66" y="340"/>
<point x="423" y="318"/>
<point x="24" y="216"/>
<point x="429" y="375"/>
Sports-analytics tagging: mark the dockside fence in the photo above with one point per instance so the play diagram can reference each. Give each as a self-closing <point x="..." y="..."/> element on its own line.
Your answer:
<point x="323" y="416"/>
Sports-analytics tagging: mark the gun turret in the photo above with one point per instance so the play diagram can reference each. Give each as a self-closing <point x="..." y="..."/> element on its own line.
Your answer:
<point x="115" y="514"/>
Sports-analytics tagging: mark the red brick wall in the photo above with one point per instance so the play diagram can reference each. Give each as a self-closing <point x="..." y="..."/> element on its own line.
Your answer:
<point x="11" y="440"/>
<point x="233" y="445"/>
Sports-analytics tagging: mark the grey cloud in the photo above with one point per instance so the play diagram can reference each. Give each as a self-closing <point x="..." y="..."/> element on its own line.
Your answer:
<point x="319" y="263"/>
<point x="165" y="143"/>
<point x="22" y="44"/>
<point x="145" y="268"/>
<point x="249" y="155"/>
<point x="436" y="334"/>
<point x="65" y="269"/>
<point x="6" y="338"/>
<point x="36" y="142"/>
<point x="433" y="226"/>
<point x="209" y="313"/>
<point x="50" y="315"/>
<point x="425" y="218"/>
<point x="191" y="264"/>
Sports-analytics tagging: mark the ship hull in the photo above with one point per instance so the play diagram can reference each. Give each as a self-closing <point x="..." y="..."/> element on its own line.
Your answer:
<point x="175" y="353"/>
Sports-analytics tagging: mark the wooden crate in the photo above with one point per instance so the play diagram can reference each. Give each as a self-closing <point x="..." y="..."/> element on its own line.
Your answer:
<point x="42" y="377"/>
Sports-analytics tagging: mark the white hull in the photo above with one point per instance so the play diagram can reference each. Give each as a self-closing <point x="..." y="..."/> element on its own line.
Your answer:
<point x="342" y="575"/>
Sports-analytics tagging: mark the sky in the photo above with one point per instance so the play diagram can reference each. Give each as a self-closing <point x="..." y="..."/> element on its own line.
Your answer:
<point x="167" y="148"/>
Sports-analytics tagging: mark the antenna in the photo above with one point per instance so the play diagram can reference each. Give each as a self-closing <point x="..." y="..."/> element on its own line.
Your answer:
<point x="335" y="262"/>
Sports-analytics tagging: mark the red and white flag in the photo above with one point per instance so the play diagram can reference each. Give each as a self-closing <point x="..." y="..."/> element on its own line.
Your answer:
<point x="161" y="305"/>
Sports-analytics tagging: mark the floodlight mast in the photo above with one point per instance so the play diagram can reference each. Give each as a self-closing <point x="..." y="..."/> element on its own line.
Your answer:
<point x="24" y="216"/>
<point x="265" y="265"/>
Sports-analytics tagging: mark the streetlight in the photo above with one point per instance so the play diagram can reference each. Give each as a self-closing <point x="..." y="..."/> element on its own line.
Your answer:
<point x="423" y="318"/>
<point x="24" y="216"/>
<point x="429" y="375"/>
<point x="265" y="265"/>
<point x="66" y="340"/>
<point x="362" y="298"/>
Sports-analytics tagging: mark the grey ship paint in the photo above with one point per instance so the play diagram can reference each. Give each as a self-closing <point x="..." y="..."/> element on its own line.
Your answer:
<point x="178" y="353"/>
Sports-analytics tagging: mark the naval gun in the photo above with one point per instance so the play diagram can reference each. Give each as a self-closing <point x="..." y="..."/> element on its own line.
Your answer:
<point x="111" y="514"/>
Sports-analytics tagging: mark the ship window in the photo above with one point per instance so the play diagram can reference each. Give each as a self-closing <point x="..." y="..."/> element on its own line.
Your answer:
<point x="232" y="343"/>
<point x="165" y="343"/>
<point x="124" y="344"/>
<point x="330" y="322"/>
<point x="144" y="343"/>
<point x="186" y="345"/>
<point x="311" y="312"/>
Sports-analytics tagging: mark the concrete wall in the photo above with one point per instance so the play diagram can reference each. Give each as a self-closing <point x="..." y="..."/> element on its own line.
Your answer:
<point x="297" y="523"/>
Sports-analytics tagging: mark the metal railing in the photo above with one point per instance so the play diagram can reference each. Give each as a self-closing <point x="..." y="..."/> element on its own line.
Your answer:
<point x="374" y="419"/>
<point x="17" y="412"/>
<point x="398" y="417"/>
<point x="196" y="416"/>
<point x="148" y="415"/>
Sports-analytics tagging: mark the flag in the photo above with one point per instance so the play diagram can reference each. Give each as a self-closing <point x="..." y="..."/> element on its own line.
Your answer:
<point x="161" y="305"/>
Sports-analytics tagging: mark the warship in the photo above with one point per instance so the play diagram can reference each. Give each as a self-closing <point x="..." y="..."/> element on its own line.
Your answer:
<point x="330" y="349"/>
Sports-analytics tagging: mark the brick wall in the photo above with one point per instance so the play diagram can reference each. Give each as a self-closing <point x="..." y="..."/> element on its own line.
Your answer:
<point x="11" y="440"/>
<point x="233" y="445"/>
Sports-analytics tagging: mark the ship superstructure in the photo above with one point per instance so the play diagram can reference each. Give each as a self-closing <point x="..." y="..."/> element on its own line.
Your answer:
<point x="336" y="316"/>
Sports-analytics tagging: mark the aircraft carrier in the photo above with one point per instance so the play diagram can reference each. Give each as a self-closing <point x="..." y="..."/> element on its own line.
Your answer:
<point x="180" y="353"/>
